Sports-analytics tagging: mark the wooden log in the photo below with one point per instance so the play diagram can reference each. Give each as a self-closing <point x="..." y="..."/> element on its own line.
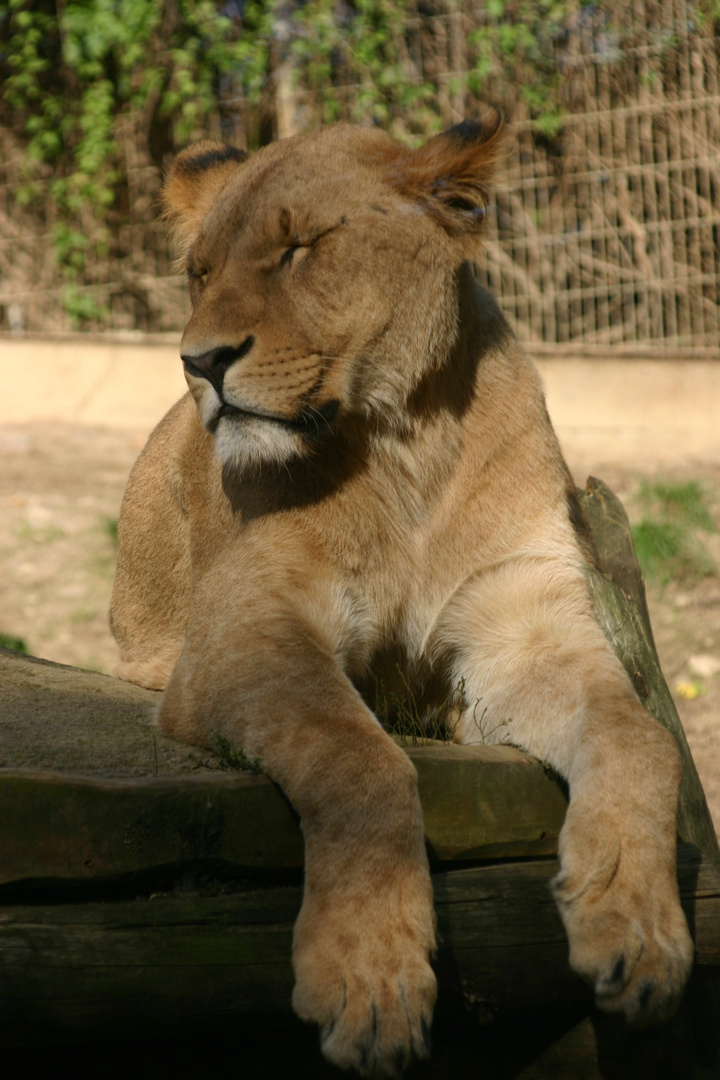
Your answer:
<point x="618" y="594"/>
<point x="136" y="965"/>
<point x="62" y="719"/>
<point x="577" y="1044"/>
<point x="480" y="802"/>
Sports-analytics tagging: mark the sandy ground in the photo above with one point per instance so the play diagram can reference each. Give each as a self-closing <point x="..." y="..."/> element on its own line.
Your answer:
<point x="60" y="491"/>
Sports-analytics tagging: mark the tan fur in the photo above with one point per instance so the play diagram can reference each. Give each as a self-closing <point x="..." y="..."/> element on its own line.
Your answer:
<point x="381" y="485"/>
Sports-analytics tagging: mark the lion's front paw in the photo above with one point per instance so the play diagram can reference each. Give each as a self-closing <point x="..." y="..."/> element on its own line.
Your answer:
<point x="363" y="975"/>
<point x="627" y="931"/>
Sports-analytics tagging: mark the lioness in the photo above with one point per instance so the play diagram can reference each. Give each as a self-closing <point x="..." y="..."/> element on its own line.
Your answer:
<point x="364" y="473"/>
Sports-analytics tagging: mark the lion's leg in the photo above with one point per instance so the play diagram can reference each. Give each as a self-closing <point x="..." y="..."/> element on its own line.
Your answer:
<point x="366" y="929"/>
<point x="539" y="673"/>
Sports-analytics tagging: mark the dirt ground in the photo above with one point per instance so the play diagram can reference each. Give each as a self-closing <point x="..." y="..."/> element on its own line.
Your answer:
<point x="60" y="492"/>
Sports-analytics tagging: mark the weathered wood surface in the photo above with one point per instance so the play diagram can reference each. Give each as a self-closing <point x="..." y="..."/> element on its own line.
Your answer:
<point x="618" y="595"/>
<point x="62" y="719"/>
<point x="132" y="965"/>
<point x="479" y="802"/>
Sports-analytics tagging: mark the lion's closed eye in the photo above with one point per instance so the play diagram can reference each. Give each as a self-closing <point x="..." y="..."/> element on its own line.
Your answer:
<point x="288" y="255"/>
<point x="298" y="250"/>
<point x="197" y="279"/>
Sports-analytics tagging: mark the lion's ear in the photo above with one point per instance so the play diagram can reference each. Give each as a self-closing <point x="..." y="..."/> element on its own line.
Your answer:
<point x="451" y="174"/>
<point x="193" y="185"/>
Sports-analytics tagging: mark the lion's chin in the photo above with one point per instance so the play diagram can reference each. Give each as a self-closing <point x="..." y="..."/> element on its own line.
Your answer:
<point x="245" y="442"/>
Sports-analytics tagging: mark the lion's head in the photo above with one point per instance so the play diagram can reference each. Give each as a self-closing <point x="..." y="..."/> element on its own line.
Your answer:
<point x="322" y="274"/>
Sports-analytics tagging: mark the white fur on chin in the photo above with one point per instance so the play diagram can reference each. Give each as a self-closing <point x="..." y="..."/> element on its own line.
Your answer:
<point x="248" y="443"/>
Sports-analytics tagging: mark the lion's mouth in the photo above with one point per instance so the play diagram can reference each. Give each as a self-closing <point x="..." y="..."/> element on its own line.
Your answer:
<point x="309" y="421"/>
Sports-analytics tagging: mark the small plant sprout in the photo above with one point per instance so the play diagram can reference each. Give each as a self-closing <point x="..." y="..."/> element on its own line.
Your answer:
<point x="228" y="759"/>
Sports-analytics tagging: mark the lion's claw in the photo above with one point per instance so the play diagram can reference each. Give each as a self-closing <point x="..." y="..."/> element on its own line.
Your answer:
<point x="372" y="993"/>
<point x="628" y="934"/>
<point x="378" y="1038"/>
<point x="650" y="989"/>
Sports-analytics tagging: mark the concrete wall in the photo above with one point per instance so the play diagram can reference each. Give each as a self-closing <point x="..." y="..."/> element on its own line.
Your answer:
<point x="630" y="411"/>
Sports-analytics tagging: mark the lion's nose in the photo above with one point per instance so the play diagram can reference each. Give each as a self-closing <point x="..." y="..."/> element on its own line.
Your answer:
<point x="213" y="364"/>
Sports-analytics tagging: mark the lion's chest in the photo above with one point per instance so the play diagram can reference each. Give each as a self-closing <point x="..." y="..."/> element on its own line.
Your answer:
<point x="398" y="565"/>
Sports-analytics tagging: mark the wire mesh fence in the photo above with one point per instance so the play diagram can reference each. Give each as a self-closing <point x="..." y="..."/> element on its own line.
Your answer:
<point x="616" y="240"/>
<point x="605" y="233"/>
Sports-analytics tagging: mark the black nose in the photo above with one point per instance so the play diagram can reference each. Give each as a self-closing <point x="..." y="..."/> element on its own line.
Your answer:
<point x="212" y="365"/>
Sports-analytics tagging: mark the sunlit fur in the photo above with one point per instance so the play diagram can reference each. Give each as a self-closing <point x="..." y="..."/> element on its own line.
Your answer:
<point x="406" y="504"/>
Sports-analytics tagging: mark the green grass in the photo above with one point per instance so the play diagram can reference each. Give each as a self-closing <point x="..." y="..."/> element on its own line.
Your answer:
<point x="233" y="760"/>
<point x="110" y="527"/>
<point x="228" y="760"/>
<point x="39" y="534"/>
<point x="666" y="539"/>
<point x="7" y="641"/>
<point x="688" y="504"/>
